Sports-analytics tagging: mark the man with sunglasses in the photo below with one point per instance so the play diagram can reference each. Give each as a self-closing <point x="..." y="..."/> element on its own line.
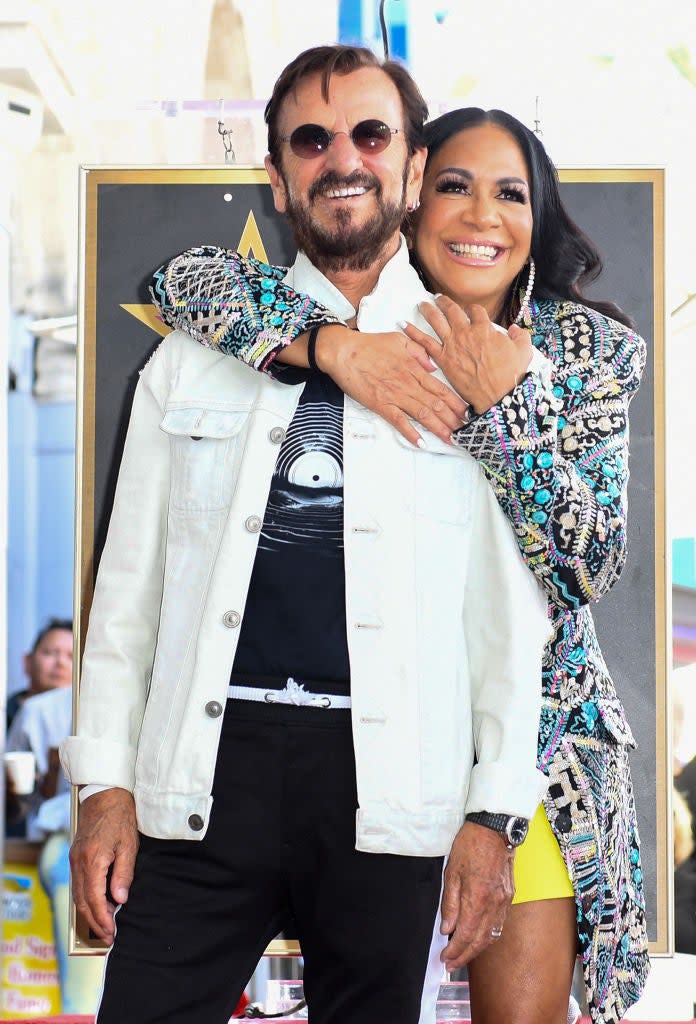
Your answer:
<point x="284" y="670"/>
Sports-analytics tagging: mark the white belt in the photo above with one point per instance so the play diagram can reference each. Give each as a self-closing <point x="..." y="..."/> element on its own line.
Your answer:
<point x="293" y="693"/>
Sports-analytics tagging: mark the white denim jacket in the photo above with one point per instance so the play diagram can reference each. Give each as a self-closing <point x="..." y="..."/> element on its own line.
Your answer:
<point x="446" y="626"/>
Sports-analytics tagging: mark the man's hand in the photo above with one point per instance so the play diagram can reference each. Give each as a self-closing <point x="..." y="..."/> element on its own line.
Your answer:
<point x="392" y="376"/>
<point x="107" y="835"/>
<point x="478" y="889"/>
<point x="481" y="362"/>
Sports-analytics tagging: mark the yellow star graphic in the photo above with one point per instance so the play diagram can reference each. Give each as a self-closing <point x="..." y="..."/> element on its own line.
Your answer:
<point x="147" y="314"/>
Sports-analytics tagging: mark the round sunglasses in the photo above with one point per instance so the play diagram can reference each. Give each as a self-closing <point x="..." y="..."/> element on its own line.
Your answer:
<point x="311" y="140"/>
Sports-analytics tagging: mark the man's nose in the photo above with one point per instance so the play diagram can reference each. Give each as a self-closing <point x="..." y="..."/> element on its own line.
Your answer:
<point x="343" y="156"/>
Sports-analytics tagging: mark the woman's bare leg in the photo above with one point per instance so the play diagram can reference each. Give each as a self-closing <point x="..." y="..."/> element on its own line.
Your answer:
<point x="525" y="976"/>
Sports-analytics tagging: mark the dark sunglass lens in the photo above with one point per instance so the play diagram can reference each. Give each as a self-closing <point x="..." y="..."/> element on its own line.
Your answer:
<point x="309" y="140"/>
<point x="371" y="136"/>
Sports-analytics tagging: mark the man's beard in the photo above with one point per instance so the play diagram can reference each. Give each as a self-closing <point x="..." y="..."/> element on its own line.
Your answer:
<point x="343" y="246"/>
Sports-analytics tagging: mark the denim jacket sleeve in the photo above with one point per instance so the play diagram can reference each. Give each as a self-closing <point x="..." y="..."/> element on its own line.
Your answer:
<point x="123" y="621"/>
<point x="506" y="625"/>
<point x="556" y="452"/>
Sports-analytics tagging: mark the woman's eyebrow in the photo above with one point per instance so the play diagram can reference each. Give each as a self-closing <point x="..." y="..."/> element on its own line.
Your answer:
<point x="463" y="173"/>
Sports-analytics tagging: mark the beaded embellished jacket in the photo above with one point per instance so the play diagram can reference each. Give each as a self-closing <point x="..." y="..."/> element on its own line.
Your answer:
<point x="555" y="452"/>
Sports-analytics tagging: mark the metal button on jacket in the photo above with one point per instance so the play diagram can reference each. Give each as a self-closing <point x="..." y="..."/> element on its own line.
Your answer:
<point x="231" y="619"/>
<point x="213" y="709"/>
<point x="276" y="435"/>
<point x="253" y="524"/>
<point x="196" y="822"/>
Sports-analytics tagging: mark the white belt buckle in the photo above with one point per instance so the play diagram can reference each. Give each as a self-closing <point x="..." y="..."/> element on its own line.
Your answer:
<point x="295" y="693"/>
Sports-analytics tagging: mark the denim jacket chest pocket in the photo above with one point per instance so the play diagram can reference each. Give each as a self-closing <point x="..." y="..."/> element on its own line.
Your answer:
<point x="205" y="445"/>
<point x="444" y="481"/>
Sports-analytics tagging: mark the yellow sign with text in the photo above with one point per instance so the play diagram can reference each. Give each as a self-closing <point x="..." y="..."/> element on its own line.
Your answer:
<point x="29" y="970"/>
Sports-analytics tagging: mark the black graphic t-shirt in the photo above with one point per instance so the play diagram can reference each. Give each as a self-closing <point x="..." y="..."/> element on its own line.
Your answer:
<point x="295" y="617"/>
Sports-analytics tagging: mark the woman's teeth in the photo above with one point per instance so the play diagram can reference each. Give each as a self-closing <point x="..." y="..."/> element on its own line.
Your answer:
<point x="478" y="251"/>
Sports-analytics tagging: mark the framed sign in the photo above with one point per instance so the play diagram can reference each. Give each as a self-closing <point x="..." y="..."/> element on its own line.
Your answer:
<point x="134" y="219"/>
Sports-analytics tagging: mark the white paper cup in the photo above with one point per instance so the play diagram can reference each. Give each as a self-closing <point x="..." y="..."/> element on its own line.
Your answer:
<point x="21" y="767"/>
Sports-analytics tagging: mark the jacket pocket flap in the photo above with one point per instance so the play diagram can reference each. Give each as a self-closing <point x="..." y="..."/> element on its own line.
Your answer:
<point x="204" y="422"/>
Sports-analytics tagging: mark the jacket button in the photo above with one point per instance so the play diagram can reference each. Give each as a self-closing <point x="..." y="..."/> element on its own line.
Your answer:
<point x="564" y="822"/>
<point x="231" y="619"/>
<point x="276" y="435"/>
<point x="213" y="708"/>
<point x="253" y="524"/>
<point x="196" y="822"/>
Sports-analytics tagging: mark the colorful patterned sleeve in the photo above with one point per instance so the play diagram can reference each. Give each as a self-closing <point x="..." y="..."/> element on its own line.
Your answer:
<point x="556" y="452"/>
<point x="233" y="303"/>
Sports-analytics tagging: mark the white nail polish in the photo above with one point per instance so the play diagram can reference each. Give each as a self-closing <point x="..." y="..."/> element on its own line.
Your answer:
<point x="402" y="324"/>
<point x="420" y="443"/>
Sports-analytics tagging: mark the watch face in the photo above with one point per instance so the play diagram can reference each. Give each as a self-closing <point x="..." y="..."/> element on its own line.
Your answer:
<point x="517" y="829"/>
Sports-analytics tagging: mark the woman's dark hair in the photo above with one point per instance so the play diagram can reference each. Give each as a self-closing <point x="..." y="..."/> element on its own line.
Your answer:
<point x="343" y="60"/>
<point x="565" y="258"/>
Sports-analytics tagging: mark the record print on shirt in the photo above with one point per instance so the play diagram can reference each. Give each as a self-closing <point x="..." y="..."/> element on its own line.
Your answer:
<point x="294" y="621"/>
<point x="305" y="504"/>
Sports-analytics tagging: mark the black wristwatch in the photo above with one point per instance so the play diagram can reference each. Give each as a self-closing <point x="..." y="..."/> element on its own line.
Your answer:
<point x="512" y="829"/>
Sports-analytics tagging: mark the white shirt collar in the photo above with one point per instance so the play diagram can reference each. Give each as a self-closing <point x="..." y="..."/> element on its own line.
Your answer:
<point x="303" y="276"/>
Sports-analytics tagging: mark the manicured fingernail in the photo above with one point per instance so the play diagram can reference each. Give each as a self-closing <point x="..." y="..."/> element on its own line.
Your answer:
<point x="402" y="324"/>
<point x="420" y="443"/>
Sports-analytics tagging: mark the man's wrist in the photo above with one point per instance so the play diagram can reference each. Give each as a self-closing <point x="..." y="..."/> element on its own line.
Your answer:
<point x="510" y="827"/>
<point x="327" y="346"/>
<point x="85" y="792"/>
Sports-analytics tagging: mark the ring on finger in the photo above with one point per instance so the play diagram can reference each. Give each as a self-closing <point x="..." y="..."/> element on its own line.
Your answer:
<point x="496" y="932"/>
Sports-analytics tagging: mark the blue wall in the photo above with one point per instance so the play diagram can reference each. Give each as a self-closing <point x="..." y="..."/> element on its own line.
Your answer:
<point x="41" y="521"/>
<point x="358" y="24"/>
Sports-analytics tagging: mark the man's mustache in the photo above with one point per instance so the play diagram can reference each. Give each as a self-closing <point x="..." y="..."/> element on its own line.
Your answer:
<point x="331" y="180"/>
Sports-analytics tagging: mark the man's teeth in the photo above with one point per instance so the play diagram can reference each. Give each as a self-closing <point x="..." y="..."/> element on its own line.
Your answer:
<point x="344" y="193"/>
<point x="465" y="249"/>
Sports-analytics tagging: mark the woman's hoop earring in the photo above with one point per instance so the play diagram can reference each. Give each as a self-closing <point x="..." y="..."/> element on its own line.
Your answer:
<point x="525" y="312"/>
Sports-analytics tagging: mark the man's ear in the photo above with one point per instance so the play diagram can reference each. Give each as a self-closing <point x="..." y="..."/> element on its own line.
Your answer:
<point x="277" y="185"/>
<point x="414" y="182"/>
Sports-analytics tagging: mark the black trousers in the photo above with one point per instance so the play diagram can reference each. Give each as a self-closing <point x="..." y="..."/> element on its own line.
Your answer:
<point x="280" y="846"/>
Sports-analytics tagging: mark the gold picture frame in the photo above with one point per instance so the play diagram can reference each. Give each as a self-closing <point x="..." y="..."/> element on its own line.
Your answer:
<point x="127" y="230"/>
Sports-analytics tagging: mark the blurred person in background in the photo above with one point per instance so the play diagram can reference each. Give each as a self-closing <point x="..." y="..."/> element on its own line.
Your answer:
<point x="47" y="665"/>
<point x="684" y="733"/>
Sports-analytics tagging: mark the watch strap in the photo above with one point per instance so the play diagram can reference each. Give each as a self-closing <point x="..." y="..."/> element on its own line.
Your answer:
<point x="512" y="828"/>
<point x="498" y="822"/>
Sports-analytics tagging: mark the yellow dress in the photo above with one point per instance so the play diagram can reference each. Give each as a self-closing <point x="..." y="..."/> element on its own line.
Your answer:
<point x="540" y="871"/>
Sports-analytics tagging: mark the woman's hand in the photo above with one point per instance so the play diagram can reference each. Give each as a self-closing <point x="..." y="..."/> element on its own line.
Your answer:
<point x="479" y="360"/>
<point x="392" y="376"/>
